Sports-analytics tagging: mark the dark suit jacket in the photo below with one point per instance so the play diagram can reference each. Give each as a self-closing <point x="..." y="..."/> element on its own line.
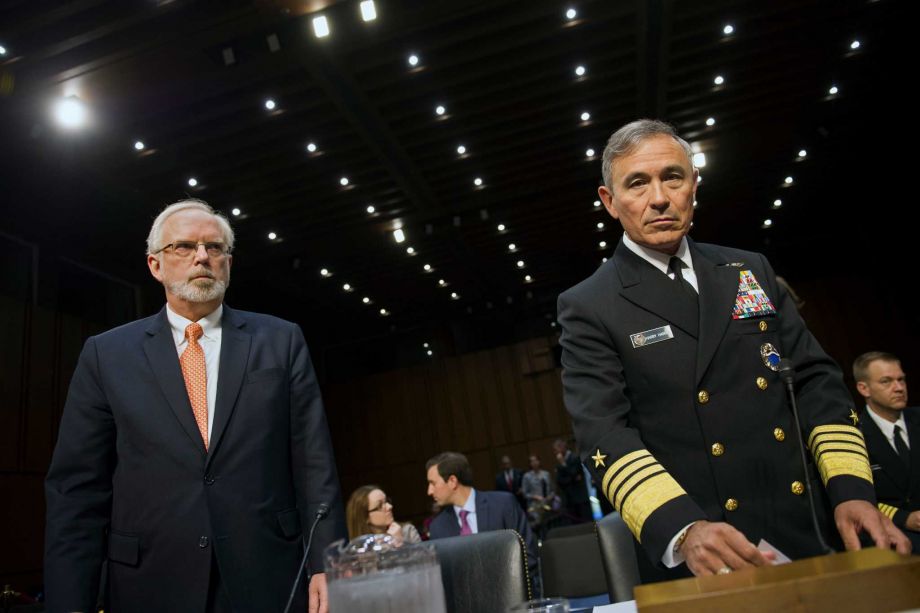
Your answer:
<point x="897" y="486"/>
<point x="697" y="427"/>
<point x="494" y="511"/>
<point x="130" y="479"/>
<point x="571" y="480"/>
<point x="501" y="484"/>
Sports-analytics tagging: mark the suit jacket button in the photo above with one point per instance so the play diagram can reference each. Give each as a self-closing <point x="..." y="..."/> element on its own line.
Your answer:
<point x="209" y="480"/>
<point x="762" y="325"/>
<point x="731" y="504"/>
<point x="718" y="449"/>
<point x="761" y="383"/>
<point x="703" y="396"/>
<point x="798" y="488"/>
<point x="779" y="435"/>
<point x="203" y="542"/>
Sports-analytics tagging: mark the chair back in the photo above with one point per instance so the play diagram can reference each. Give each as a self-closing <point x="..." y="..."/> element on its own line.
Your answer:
<point x="571" y="562"/>
<point x="619" y="557"/>
<point x="484" y="572"/>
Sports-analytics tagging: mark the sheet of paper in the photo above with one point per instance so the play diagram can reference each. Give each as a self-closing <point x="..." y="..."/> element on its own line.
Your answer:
<point x="781" y="558"/>
<point x="627" y="606"/>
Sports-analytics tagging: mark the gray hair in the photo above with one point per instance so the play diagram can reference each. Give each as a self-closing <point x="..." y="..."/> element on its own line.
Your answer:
<point x="623" y="141"/>
<point x="155" y="238"/>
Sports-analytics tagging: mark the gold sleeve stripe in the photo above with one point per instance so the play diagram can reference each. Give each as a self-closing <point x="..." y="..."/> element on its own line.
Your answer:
<point x="638" y="485"/>
<point x="887" y="509"/>
<point x="840" y="450"/>
<point x="831" y="446"/>
<point x="834" y="431"/>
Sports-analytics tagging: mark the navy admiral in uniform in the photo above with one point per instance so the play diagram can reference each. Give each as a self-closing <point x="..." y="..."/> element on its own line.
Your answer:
<point x="670" y="353"/>
<point x="891" y="428"/>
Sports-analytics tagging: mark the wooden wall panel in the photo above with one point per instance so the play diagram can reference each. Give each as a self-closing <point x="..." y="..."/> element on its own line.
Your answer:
<point x="13" y="316"/>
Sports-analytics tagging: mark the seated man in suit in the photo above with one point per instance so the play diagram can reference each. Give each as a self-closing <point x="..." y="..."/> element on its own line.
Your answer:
<point x="193" y="452"/>
<point x="889" y="426"/>
<point x="465" y="510"/>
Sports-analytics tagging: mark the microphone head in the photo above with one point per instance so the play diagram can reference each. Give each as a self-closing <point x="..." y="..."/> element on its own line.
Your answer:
<point x="786" y="370"/>
<point x="322" y="510"/>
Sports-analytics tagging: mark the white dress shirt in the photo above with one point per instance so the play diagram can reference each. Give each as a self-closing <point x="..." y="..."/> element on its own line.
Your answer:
<point x="210" y="344"/>
<point x="887" y="427"/>
<point x="469" y="505"/>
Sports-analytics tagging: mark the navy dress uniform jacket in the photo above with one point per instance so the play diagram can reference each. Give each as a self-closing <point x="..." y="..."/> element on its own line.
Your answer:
<point x="130" y="479"/>
<point x="897" y="486"/>
<point x="697" y="427"/>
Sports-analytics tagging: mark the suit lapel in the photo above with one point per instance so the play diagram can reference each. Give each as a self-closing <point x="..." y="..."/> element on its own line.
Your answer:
<point x="718" y="285"/>
<point x="650" y="289"/>
<point x="160" y="349"/>
<point x="883" y="454"/>
<point x="234" y="355"/>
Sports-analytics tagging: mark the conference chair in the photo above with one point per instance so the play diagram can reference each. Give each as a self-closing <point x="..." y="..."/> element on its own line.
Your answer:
<point x="619" y="557"/>
<point x="571" y="562"/>
<point x="484" y="572"/>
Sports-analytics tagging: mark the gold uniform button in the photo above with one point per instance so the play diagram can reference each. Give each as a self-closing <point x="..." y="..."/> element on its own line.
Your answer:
<point x="761" y="383"/>
<point x="798" y="488"/>
<point x="703" y="396"/>
<point x="779" y="435"/>
<point x="718" y="449"/>
<point x="762" y="325"/>
<point x="731" y="504"/>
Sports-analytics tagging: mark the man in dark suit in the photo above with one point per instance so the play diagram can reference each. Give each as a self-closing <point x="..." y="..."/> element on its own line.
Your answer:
<point x="508" y="479"/>
<point x="466" y="510"/>
<point x="670" y="357"/>
<point x="193" y="451"/>
<point x="570" y="477"/>
<point x="890" y="428"/>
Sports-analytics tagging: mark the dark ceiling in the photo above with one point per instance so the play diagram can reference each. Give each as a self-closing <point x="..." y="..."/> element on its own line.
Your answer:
<point x="505" y="72"/>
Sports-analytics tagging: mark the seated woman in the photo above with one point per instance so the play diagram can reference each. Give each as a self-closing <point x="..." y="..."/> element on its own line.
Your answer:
<point x="369" y="511"/>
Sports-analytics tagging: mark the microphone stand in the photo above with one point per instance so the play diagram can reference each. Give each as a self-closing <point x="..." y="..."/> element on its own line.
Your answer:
<point x="787" y="374"/>
<point x="321" y="512"/>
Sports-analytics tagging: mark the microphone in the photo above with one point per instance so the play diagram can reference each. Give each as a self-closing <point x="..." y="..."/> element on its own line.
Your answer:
<point x="321" y="512"/>
<point x="787" y="374"/>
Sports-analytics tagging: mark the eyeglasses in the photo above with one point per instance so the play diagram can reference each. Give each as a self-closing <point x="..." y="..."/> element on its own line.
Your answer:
<point x="184" y="249"/>
<point x="381" y="506"/>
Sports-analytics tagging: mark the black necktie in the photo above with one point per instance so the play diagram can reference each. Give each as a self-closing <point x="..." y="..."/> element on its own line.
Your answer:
<point x="901" y="446"/>
<point x="674" y="266"/>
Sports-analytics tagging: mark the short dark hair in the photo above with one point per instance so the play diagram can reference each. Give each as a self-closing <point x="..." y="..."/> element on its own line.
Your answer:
<point x="452" y="463"/>
<point x="861" y="364"/>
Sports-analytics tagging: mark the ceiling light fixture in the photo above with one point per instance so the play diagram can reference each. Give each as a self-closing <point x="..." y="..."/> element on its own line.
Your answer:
<point x="320" y="26"/>
<point x="192" y="182"/>
<point x="413" y="60"/>
<point x="788" y="180"/>
<point x="833" y="90"/>
<point x="589" y="153"/>
<point x="585" y="116"/>
<point x="710" y="121"/>
<point x="71" y="112"/>
<point x="324" y="272"/>
<point x="347" y="287"/>
<point x="597" y="204"/>
<point x="699" y="160"/>
<point x="440" y="110"/>
<point x="461" y="149"/>
<point x="512" y="247"/>
<point x="368" y="10"/>
<point x="777" y="203"/>
<point x="602" y="244"/>
<point x="343" y="181"/>
<point x="311" y="147"/>
<point x="270" y="104"/>
<point x="520" y="263"/>
<point x="803" y="153"/>
<point x="501" y="227"/>
<point x="580" y="71"/>
<point x="728" y="30"/>
<point x="571" y="14"/>
<point x="370" y="209"/>
<point x="410" y="250"/>
<point x="366" y="300"/>
<point x="398" y="235"/>
<point x="477" y="182"/>
<point x="719" y="80"/>
<point x="236" y="212"/>
<point x="427" y="267"/>
<point x="600" y="225"/>
<point x="272" y="236"/>
<point x="854" y="45"/>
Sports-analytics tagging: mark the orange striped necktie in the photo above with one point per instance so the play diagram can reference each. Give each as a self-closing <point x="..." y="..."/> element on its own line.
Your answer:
<point x="195" y="374"/>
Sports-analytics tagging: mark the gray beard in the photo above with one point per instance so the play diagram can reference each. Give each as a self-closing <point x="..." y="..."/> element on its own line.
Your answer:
<point x="200" y="291"/>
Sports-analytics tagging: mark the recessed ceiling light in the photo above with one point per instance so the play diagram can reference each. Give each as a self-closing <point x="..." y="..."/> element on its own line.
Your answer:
<point x="324" y="272"/>
<point x="788" y="180"/>
<point x="425" y="345"/>
<point x="311" y="147"/>
<point x="580" y="71"/>
<point x="347" y="287"/>
<point x="803" y="153"/>
<point x="320" y="26"/>
<point x="728" y="29"/>
<point x="440" y="110"/>
<point x="597" y="204"/>
<point x="854" y="45"/>
<point x="603" y="261"/>
<point x="585" y="116"/>
<point x="777" y="203"/>
<point x="384" y="312"/>
<point x="370" y="208"/>
<point x="477" y="181"/>
<point x="442" y="282"/>
<point x="719" y="80"/>
<point x="520" y="263"/>
<point x="602" y="244"/>
<point x="366" y="300"/>
<point x="272" y="236"/>
<point x="710" y="121"/>
<point x="429" y="352"/>
<point x="600" y="225"/>
<point x="236" y="212"/>
<point x="833" y="90"/>
<point x="589" y="153"/>
<point x="413" y="60"/>
<point x="501" y="227"/>
<point x="461" y="149"/>
<point x="398" y="235"/>
<point x="454" y="296"/>
<point x="571" y="13"/>
<point x="71" y="112"/>
<point x="343" y="181"/>
<point x="139" y="145"/>
<point x="192" y="182"/>
<point x="410" y="250"/>
<point x="368" y="10"/>
<point x="427" y="267"/>
<point x="527" y="278"/>
<point x="512" y="247"/>
<point x="699" y="160"/>
<point x="2" y="50"/>
<point x="270" y="104"/>
<point x="767" y="223"/>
